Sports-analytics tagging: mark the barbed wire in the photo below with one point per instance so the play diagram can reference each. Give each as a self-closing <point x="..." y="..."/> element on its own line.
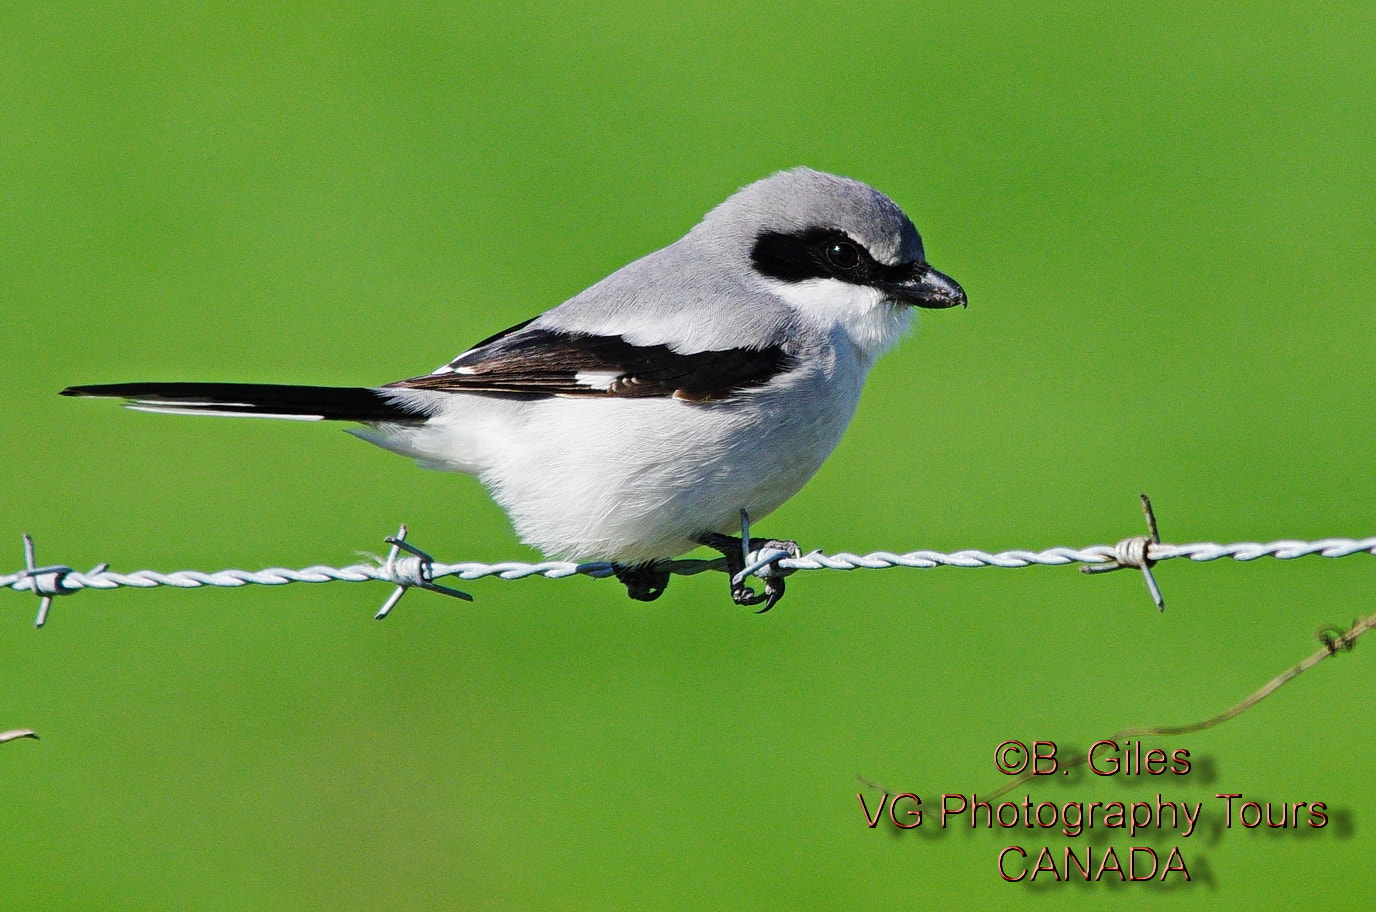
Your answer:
<point x="416" y="569"/>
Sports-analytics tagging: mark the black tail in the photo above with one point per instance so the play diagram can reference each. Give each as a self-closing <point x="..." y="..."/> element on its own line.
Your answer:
<point x="260" y="400"/>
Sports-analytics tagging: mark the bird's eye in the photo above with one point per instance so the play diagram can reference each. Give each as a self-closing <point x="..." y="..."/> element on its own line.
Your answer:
<point x="843" y="255"/>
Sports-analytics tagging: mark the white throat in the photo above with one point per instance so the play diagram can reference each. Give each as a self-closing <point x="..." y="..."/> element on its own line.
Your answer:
<point x="872" y="323"/>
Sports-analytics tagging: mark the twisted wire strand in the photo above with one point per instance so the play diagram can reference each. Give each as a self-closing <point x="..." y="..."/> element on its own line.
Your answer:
<point x="63" y="580"/>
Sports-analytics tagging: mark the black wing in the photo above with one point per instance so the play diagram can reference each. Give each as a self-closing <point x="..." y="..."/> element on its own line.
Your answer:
<point x="543" y="362"/>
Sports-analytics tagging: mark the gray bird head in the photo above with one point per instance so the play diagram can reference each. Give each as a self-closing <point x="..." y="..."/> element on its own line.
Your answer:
<point x="798" y="252"/>
<point x="802" y="226"/>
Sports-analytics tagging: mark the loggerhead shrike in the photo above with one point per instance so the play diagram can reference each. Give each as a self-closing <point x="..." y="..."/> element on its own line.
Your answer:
<point x="638" y="419"/>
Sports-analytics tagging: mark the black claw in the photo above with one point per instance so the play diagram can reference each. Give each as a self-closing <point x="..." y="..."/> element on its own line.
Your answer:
<point x="773" y="591"/>
<point x="644" y="582"/>
<point x="730" y="549"/>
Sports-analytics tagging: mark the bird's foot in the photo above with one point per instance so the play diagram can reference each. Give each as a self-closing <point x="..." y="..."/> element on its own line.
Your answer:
<point x="644" y="582"/>
<point x="731" y="549"/>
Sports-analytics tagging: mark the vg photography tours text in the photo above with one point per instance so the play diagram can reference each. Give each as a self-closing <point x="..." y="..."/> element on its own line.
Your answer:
<point x="1127" y="862"/>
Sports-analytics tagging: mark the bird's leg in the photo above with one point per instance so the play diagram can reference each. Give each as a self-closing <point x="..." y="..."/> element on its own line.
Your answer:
<point x="730" y="548"/>
<point x="644" y="582"/>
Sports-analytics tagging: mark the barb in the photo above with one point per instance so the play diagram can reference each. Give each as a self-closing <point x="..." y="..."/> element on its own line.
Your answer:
<point x="417" y="570"/>
<point x="45" y="582"/>
<point x="1133" y="552"/>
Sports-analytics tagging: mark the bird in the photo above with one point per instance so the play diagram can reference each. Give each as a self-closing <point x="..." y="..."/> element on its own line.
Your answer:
<point x="644" y="416"/>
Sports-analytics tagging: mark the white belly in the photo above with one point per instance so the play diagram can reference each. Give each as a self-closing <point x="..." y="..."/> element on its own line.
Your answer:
<point x="639" y="479"/>
<point x="633" y="480"/>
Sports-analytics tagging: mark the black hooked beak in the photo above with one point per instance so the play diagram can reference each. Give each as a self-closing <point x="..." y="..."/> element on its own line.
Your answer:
<point x="928" y="288"/>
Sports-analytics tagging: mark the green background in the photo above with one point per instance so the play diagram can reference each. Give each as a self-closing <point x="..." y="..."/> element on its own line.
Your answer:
<point x="1163" y="215"/>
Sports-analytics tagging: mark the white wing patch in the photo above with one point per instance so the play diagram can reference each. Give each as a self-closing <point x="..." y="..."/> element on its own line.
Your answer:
<point x="451" y="369"/>
<point x="598" y="380"/>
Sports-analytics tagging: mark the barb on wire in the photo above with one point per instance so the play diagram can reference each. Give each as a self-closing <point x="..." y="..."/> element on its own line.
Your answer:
<point x="416" y="569"/>
<point x="1134" y="552"/>
<point x="45" y="582"/>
